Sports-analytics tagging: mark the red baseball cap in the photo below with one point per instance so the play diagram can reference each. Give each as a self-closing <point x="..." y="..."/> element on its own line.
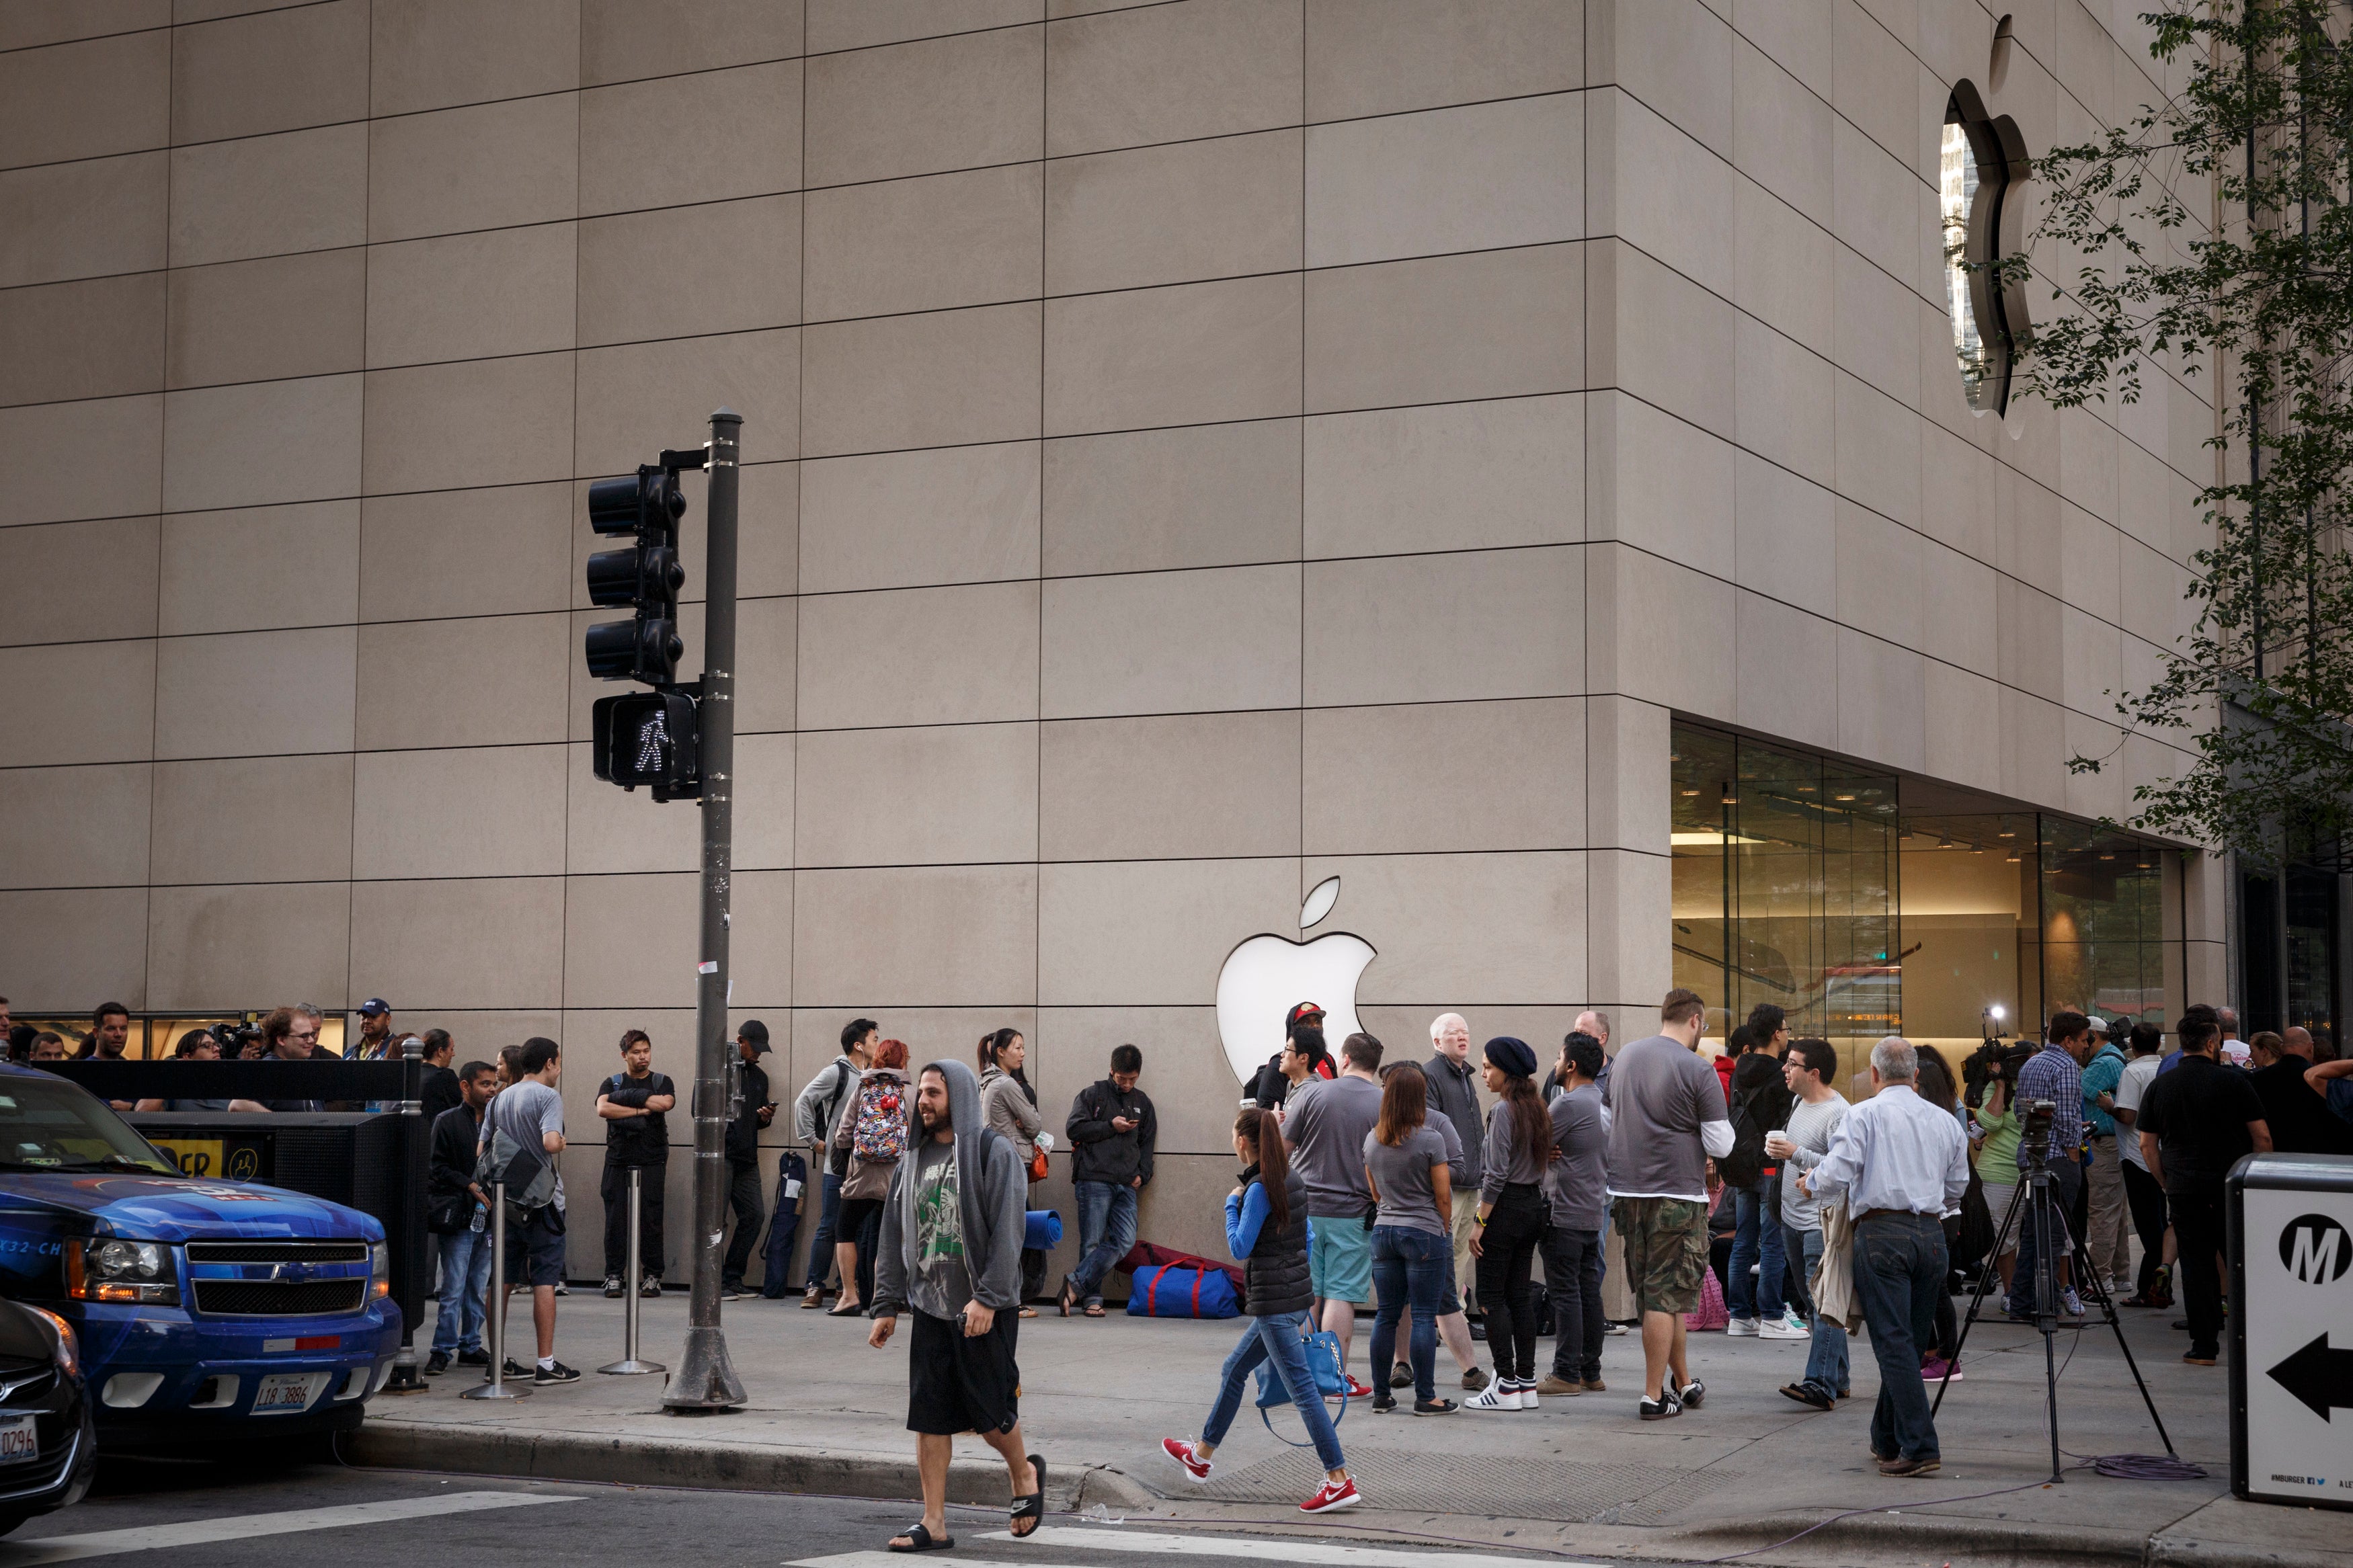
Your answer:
<point x="1305" y="1011"/>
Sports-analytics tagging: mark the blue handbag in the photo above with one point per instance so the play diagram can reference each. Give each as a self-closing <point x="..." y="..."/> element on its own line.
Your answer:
<point x="1323" y="1364"/>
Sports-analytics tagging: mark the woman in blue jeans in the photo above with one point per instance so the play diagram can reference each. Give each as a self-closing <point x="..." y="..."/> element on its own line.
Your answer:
<point x="1266" y="1230"/>
<point x="1405" y="1162"/>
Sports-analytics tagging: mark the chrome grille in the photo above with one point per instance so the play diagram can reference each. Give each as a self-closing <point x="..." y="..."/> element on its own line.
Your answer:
<point x="277" y="1251"/>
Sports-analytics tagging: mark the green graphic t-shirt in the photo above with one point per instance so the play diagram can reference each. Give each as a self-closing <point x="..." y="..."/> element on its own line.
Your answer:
<point x="942" y="1285"/>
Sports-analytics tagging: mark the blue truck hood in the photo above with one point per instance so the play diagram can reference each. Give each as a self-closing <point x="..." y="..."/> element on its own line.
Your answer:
<point x="171" y="1209"/>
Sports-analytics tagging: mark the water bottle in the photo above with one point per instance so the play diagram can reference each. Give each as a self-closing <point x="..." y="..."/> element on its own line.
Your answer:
<point x="481" y="1216"/>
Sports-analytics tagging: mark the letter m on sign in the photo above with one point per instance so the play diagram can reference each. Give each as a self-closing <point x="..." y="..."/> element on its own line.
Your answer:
<point x="2312" y="1255"/>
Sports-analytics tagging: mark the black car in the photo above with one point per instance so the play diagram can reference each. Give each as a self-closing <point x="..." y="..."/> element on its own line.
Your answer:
<point x="49" y="1441"/>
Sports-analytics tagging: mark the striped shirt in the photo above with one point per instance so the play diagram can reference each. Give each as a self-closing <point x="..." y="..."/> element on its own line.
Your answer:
<point x="2052" y="1075"/>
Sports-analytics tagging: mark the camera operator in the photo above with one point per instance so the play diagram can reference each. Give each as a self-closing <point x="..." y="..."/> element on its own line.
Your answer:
<point x="2056" y="1074"/>
<point x="2194" y="1123"/>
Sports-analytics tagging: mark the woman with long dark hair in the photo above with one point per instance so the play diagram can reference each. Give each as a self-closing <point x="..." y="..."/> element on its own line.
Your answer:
<point x="1405" y="1165"/>
<point x="1266" y="1231"/>
<point x="1511" y="1220"/>
<point x="1010" y="1105"/>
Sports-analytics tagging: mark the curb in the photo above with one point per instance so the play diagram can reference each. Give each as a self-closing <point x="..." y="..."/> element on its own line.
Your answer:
<point x="707" y="1465"/>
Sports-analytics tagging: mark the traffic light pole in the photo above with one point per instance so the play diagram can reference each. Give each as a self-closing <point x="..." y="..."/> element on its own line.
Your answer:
<point x="706" y="1379"/>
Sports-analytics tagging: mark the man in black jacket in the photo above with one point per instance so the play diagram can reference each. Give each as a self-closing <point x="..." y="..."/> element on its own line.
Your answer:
<point x="441" y="1089"/>
<point x="1761" y="1104"/>
<point x="456" y="1213"/>
<point x="1111" y="1129"/>
<point x="632" y="1104"/>
<point x="743" y="1156"/>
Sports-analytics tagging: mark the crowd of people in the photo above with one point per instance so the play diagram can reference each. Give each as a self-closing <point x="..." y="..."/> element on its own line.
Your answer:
<point x="1401" y="1187"/>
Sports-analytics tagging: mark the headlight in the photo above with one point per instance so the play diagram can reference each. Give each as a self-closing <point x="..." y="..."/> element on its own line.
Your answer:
<point x="111" y="1269"/>
<point x="68" y="1354"/>
<point x="379" y="1270"/>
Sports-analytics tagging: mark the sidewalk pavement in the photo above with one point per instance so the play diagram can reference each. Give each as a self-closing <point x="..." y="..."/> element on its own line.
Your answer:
<point x="826" y="1415"/>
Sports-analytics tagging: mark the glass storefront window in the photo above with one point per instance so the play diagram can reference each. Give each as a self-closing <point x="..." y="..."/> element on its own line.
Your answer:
<point x="1799" y="882"/>
<point x="1784" y="886"/>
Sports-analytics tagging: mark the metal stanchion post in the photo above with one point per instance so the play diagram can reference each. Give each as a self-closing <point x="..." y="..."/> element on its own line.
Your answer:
<point x="629" y="1365"/>
<point x="496" y="1328"/>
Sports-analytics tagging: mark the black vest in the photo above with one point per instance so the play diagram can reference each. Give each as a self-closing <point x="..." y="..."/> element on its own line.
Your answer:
<point x="1275" y="1272"/>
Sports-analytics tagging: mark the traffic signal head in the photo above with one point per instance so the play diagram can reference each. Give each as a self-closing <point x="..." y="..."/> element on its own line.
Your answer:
<point x="646" y="574"/>
<point x="647" y="738"/>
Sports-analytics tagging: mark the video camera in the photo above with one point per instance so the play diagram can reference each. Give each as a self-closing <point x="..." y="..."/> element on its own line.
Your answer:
<point x="2035" y="1118"/>
<point x="233" y="1034"/>
<point x="1996" y="1060"/>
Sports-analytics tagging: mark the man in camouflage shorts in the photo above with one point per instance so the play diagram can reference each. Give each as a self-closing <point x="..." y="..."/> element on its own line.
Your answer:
<point x="1667" y="1120"/>
<point x="1666" y="1251"/>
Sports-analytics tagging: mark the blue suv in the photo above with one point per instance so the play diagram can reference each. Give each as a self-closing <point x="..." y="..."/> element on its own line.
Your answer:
<point x="201" y="1306"/>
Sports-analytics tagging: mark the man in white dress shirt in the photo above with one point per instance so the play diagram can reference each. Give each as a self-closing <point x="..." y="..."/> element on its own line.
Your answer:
<point x="1900" y="1164"/>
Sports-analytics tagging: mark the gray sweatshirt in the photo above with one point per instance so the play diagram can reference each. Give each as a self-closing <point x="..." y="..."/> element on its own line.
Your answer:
<point x="992" y="1188"/>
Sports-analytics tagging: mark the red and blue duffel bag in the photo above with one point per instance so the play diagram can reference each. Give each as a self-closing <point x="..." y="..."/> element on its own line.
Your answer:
<point x="1172" y="1290"/>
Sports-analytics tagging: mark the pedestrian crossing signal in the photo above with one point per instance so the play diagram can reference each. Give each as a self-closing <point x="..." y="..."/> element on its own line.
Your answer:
<point x="648" y="738"/>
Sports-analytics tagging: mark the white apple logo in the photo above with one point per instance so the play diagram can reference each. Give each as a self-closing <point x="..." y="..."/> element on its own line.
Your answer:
<point x="1268" y="975"/>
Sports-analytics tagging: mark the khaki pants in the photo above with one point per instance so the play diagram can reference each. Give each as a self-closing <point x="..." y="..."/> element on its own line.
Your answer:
<point x="2108" y="1228"/>
<point x="1466" y="1225"/>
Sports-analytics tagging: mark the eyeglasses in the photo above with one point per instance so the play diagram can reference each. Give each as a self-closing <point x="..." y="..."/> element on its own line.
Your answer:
<point x="303" y="1034"/>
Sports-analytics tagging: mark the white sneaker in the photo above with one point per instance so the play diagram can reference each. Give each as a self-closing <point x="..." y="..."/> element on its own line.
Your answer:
<point x="1613" y="1329"/>
<point x="1786" y="1328"/>
<point x="1494" y="1397"/>
<point x="2073" y="1303"/>
<point x="1527" y="1392"/>
<point x="1741" y="1327"/>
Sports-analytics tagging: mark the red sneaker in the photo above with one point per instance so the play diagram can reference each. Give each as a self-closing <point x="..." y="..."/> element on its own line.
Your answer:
<point x="1355" y="1390"/>
<point x="1186" y="1454"/>
<point x="1332" y="1497"/>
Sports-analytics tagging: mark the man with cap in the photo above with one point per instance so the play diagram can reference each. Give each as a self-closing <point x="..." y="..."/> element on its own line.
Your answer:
<point x="754" y="1111"/>
<point x="1303" y="1055"/>
<point x="2107" y="1235"/>
<point x="376" y="1033"/>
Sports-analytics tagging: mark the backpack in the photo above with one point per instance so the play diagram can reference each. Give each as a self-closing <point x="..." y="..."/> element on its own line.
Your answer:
<point x="844" y="1075"/>
<point x="879" y="1134"/>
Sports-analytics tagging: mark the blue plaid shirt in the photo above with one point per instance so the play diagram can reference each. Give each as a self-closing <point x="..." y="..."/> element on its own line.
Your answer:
<point x="2052" y="1075"/>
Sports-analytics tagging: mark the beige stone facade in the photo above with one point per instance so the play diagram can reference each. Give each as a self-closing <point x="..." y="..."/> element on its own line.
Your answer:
<point x="1195" y="450"/>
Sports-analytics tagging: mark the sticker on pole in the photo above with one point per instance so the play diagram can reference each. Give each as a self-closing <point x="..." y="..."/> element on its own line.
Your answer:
<point x="2295" y="1308"/>
<point x="708" y="966"/>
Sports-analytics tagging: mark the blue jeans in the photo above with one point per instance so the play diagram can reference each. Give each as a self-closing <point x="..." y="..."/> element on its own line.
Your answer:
<point x="820" y="1255"/>
<point x="1757" y="1235"/>
<point x="1106" y="1230"/>
<point x="1827" y="1365"/>
<point x="1899" y="1272"/>
<point x="1279" y="1336"/>
<point x="465" y="1291"/>
<point x="1408" y="1268"/>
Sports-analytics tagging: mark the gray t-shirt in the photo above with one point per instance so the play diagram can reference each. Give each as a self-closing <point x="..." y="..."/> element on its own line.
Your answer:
<point x="526" y="1112"/>
<point x="1576" y="1181"/>
<point x="1811" y="1127"/>
<point x="1661" y="1093"/>
<point x="1326" y="1124"/>
<point x="1457" y="1159"/>
<point x="1409" y="1194"/>
<point x="941" y="1286"/>
<point x="1507" y="1161"/>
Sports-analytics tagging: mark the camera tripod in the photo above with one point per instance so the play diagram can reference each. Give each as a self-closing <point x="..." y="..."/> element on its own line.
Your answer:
<point x="2036" y="1203"/>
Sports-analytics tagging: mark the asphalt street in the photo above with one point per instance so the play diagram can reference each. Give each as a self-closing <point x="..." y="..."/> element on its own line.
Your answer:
<point x="221" y="1516"/>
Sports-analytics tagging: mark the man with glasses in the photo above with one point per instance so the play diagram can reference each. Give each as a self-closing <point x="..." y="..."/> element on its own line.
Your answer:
<point x="292" y="1035"/>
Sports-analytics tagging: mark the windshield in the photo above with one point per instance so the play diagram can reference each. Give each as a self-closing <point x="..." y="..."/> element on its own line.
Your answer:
<point x="51" y="1125"/>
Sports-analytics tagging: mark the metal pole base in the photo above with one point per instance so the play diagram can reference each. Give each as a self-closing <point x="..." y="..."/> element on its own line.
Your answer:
<point x="632" y="1368"/>
<point x="706" y="1383"/>
<point x="408" y="1376"/>
<point x="500" y="1390"/>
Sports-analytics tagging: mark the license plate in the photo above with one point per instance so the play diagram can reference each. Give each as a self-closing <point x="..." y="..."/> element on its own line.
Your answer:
<point x="18" y="1440"/>
<point x="282" y="1393"/>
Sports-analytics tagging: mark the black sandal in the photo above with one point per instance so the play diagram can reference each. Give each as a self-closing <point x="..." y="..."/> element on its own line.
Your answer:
<point x="920" y="1540"/>
<point x="1033" y="1506"/>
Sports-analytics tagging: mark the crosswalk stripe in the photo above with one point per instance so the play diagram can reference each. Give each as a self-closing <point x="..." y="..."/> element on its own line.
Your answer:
<point x="245" y="1526"/>
<point x="1271" y="1549"/>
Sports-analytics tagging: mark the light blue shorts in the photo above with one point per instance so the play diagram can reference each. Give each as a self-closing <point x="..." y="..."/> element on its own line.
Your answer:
<point x="1340" y="1262"/>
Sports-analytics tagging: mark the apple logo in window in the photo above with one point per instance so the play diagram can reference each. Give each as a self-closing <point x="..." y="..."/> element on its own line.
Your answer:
<point x="1267" y="974"/>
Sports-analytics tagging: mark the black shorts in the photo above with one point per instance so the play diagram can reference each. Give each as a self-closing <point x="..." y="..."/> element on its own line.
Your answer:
<point x="536" y="1248"/>
<point x="959" y="1384"/>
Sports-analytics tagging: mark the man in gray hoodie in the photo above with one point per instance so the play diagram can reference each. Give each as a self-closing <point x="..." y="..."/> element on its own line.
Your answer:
<point x="951" y="1254"/>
